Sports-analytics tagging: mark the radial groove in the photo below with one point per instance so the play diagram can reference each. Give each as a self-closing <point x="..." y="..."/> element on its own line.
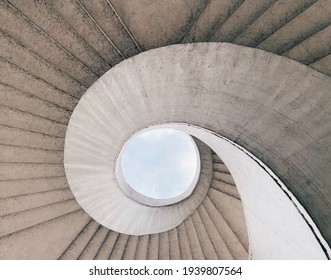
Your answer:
<point x="131" y="248"/>
<point x="241" y="19"/>
<point x="230" y="239"/>
<point x="223" y="203"/>
<point x="204" y="239"/>
<point x="221" y="248"/>
<point x="298" y="29"/>
<point x="78" y="35"/>
<point x="16" y="53"/>
<point x="65" y="254"/>
<point x="184" y="244"/>
<point x="100" y="28"/>
<point x="91" y="249"/>
<point x="52" y="39"/>
<point x="142" y="248"/>
<point x="125" y="27"/>
<point x="278" y="15"/>
<point x="197" y="253"/>
<point x="119" y="248"/>
<point x="153" y="247"/>
<point x="20" y="98"/>
<point x="25" y="224"/>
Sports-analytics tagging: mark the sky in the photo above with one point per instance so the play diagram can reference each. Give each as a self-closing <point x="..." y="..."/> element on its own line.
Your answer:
<point x="160" y="163"/>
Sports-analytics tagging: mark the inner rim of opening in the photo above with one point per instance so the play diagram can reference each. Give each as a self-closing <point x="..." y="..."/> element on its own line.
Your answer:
<point x="160" y="163"/>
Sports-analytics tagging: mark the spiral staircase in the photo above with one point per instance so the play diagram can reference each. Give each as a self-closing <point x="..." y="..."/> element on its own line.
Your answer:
<point x="52" y="51"/>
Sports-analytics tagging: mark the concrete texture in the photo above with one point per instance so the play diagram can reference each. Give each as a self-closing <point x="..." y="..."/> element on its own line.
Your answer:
<point x="232" y="101"/>
<point x="46" y="68"/>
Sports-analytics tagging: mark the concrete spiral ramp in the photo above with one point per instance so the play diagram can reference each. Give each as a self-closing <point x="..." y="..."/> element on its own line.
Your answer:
<point x="53" y="51"/>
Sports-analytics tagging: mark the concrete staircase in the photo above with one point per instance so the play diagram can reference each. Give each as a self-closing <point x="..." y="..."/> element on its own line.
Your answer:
<point x="33" y="209"/>
<point x="52" y="53"/>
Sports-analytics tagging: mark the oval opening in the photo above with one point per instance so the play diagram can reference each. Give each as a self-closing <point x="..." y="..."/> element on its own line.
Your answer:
<point x="160" y="163"/>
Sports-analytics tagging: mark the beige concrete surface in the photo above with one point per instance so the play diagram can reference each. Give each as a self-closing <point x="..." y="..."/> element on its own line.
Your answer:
<point x="52" y="51"/>
<point x="185" y="96"/>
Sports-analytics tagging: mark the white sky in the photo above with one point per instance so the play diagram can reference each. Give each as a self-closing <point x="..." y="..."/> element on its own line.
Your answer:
<point x="160" y="163"/>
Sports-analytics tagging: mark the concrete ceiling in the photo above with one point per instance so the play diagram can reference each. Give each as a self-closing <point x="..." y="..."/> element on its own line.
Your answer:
<point x="53" y="50"/>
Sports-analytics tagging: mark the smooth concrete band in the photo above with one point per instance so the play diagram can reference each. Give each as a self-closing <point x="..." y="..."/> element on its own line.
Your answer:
<point x="277" y="109"/>
<point x="277" y="224"/>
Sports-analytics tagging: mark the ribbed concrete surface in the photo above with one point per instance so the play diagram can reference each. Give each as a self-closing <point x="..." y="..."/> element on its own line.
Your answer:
<point x="200" y="236"/>
<point x="52" y="51"/>
<point x="209" y="233"/>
